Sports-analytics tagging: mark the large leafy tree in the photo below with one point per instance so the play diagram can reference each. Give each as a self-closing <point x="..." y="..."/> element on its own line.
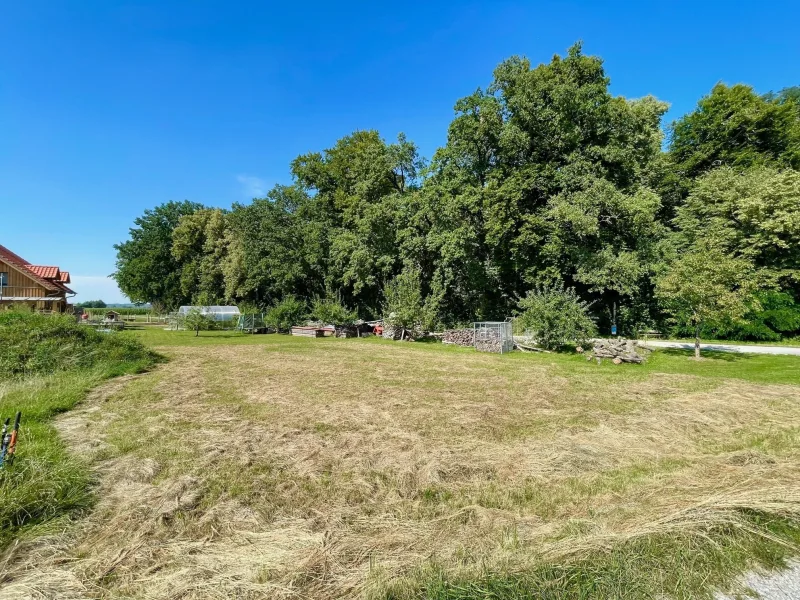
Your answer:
<point x="753" y="214"/>
<point x="277" y="247"/>
<point x="359" y="189"/>
<point x="147" y="270"/>
<point x="199" y="243"/>
<point x="544" y="178"/>
<point x="733" y="127"/>
<point x="707" y="286"/>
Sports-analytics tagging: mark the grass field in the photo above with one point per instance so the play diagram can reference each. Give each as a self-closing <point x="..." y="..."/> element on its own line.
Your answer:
<point x="271" y="466"/>
<point x="48" y="364"/>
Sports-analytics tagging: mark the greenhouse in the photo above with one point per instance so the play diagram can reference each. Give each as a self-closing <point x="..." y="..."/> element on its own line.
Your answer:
<point x="215" y="313"/>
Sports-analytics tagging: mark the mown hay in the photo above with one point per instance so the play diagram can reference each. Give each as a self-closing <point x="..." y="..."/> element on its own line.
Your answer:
<point x="261" y="475"/>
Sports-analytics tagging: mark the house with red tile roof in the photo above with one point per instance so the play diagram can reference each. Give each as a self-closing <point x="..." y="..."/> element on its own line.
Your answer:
<point x="41" y="287"/>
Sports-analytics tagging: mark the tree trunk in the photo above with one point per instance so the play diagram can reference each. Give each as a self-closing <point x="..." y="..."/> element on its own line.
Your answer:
<point x="197" y="332"/>
<point x="697" y="343"/>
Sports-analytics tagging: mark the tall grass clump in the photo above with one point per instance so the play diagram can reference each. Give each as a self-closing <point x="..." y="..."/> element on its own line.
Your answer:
<point x="48" y="363"/>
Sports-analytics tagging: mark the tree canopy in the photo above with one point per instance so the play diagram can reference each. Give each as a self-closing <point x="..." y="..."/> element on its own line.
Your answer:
<point x="546" y="180"/>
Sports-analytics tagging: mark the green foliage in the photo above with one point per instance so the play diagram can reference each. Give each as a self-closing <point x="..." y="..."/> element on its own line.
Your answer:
<point x="546" y="178"/>
<point x="555" y="316"/>
<point x="404" y="307"/>
<point x="777" y="317"/>
<point x="33" y="343"/>
<point x="147" y="271"/>
<point x="543" y="179"/>
<point x="277" y="248"/>
<point x="127" y="311"/>
<point x="706" y="286"/>
<point x="754" y="214"/>
<point x="196" y="320"/>
<point x="332" y="311"/>
<point x="200" y="244"/>
<point x="285" y="314"/>
<point x="47" y="365"/>
<point x="735" y="127"/>
<point x="91" y="304"/>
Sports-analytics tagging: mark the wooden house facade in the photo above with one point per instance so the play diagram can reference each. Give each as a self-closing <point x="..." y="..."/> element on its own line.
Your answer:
<point x="42" y="288"/>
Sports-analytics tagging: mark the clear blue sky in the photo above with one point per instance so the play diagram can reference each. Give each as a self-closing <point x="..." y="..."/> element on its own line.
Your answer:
<point x="110" y="107"/>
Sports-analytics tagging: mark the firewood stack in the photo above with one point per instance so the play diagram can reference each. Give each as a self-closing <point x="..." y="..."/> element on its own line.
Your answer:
<point x="618" y="350"/>
<point x="460" y="337"/>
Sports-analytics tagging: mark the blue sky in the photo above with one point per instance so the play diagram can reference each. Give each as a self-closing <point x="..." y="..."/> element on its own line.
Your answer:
<point x="109" y="107"/>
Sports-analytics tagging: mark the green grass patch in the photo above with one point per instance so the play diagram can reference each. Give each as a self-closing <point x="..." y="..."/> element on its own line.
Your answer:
<point x="49" y="365"/>
<point x="757" y="368"/>
<point x="673" y="565"/>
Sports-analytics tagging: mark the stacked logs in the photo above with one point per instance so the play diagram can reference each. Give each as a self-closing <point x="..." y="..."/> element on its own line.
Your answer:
<point x="460" y="337"/>
<point x="618" y="350"/>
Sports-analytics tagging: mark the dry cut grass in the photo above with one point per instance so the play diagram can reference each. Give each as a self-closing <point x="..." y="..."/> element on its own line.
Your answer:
<point x="342" y="469"/>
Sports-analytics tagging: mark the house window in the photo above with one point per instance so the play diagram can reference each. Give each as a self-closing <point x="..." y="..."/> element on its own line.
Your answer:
<point x="3" y="279"/>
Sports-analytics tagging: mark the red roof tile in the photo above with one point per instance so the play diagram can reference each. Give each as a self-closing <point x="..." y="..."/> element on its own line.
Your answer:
<point x="64" y="277"/>
<point x="46" y="272"/>
<point x="15" y="260"/>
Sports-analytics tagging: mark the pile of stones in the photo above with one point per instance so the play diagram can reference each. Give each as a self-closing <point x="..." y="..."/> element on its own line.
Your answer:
<point x="619" y="351"/>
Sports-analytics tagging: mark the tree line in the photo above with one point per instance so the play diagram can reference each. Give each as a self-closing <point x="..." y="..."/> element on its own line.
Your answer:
<point x="546" y="181"/>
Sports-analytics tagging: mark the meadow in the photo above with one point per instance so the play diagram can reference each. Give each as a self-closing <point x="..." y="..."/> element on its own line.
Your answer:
<point x="272" y="466"/>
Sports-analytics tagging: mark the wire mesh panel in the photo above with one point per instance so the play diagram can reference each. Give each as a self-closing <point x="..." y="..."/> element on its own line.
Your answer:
<point x="251" y="322"/>
<point x="493" y="336"/>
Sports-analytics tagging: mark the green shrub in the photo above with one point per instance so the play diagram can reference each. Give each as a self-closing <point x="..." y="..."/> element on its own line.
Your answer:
<point x="404" y="307"/>
<point x="284" y="314"/>
<point x="332" y="311"/>
<point x="555" y="316"/>
<point x="124" y="311"/>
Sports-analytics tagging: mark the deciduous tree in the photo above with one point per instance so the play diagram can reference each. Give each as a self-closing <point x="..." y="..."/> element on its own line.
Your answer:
<point x="147" y="271"/>
<point x="706" y="285"/>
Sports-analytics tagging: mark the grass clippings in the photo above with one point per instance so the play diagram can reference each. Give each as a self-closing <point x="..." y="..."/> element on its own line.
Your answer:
<point x="267" y="466"/>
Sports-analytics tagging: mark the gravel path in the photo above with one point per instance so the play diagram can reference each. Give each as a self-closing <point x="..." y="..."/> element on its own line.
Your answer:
<point x="784" y="585"/>
<point x="753" y="349"/>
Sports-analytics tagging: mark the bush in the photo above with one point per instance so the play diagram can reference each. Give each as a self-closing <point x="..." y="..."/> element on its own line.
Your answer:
<point x="44" y="344"/>
<point x="283" y="315"/>
<point x="555" y="316"/>
<point x="404" y="307"/>
<point x="332" y="311"/>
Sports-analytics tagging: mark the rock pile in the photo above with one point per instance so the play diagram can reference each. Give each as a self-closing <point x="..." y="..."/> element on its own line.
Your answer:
<point x="489" y="345"/>
<point x="619" y="350"/>
<point x="460" y="337"/>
